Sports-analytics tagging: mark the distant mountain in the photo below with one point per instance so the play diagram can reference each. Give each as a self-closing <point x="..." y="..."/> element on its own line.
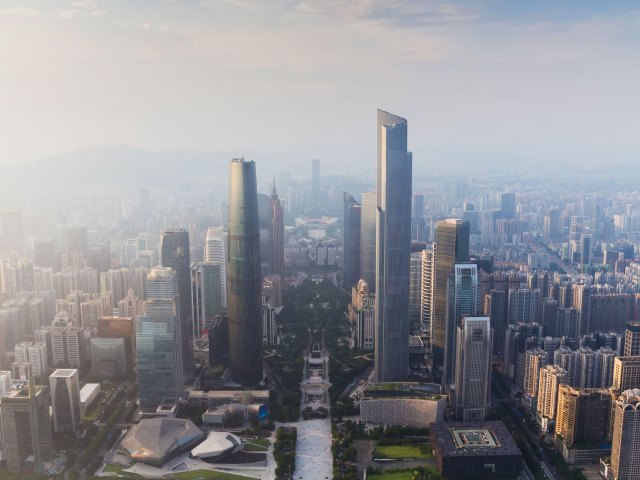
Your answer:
<point x="121" y="165"/>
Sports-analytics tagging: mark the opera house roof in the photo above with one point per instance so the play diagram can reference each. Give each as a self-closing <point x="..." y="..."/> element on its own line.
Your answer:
<point x="153" y="441"/>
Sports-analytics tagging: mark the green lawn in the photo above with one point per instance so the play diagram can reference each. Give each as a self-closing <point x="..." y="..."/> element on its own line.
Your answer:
<point x="206" y="474"/>
<point x="432" y="474"/>
<point x="256" y="444"/>
<point x="404" y="475"/>
<point x="402" y="451"/>
<point x="118" y="469"/>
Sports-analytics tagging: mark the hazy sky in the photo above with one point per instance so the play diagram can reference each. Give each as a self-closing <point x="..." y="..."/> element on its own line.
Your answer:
<point x="477" y="81"/>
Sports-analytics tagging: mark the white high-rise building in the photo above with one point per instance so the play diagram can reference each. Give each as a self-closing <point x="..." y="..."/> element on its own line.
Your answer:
<point x="426" y="292"/>
<point x="33" y="353"/>
<point x="5" y="382"/>
<point x="625" y="455"/>
<point x="64" y="385"/>
<point x="473" y="368"/>
<point x="215" y="253"/>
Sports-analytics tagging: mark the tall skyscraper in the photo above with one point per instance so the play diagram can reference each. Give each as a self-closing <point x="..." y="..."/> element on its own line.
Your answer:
<point x="426" y="292"/>
<point x="508" y="205"/>
<point x="277" y="212"/>
<point x="215" y="253"/>
<point x="632" y="340"/>
<point x="26" y="425"/>
<point x="120" y="327"/>
<point x="452" y="246"/>
<point x="393" y="249"/>
<point x="496" y="307"/>
<point x="418" y="224"/>
<point x="64" y="385"/>
<point x="362" y="316"/>
<point x="463" y="301"/>
<point x="368" y="239"/>
<point x="524" y="305"/>
<point x="550" y="379"/>
<point x="265" y="221"/>
<point x="174" y="249"/>
<point x="415" y="286"/>
<point x="158" y="342"/>
<point x="625" y="454"/>
<point x="207" y="294"/>
<point x="243" y="275"/>
<point x="473" y="368"/>
<point x="585" y="249"/>
<point x="351" y="245"/>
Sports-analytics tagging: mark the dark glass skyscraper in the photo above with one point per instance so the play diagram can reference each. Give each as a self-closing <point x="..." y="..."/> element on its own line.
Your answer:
<point x="351" y="243"/>
<point x="265" y="222"/>
<point x="243" y="275"/>
<point x="368" y="239"/>
<point x="174" y="251"/>
<point x="393" y="249"/>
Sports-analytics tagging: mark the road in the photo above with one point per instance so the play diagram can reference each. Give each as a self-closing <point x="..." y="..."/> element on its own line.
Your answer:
<point x="504" y="398"/>
<point x="541" y="248"/>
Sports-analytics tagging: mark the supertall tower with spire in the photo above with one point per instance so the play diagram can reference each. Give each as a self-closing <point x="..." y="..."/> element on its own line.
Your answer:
<point x="393" y="249"/>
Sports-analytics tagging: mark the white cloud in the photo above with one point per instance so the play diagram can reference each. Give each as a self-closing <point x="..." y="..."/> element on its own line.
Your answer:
<point x="98" y="13"/>
<point x="68" y="13"/>
<point x="85" y="3"/>
<point x="27" y="12"/>
<point x="147" y="26"/>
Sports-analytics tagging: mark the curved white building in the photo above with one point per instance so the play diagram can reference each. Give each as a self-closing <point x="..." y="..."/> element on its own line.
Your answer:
<point x="214" y="252"/>
<point x="216" y="446"/>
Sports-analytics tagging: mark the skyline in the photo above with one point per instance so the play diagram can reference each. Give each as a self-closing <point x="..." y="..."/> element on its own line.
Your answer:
<point x="486" y="83"/>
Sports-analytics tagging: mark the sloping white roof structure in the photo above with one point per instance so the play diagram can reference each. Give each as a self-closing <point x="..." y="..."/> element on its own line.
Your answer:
<point x="217" y="445"/>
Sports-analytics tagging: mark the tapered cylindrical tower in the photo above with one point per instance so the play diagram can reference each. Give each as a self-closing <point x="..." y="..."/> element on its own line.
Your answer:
<point x="243" y="275"/>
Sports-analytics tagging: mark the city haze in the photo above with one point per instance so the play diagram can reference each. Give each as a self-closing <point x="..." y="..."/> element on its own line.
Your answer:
<point x="485" y="84"/>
